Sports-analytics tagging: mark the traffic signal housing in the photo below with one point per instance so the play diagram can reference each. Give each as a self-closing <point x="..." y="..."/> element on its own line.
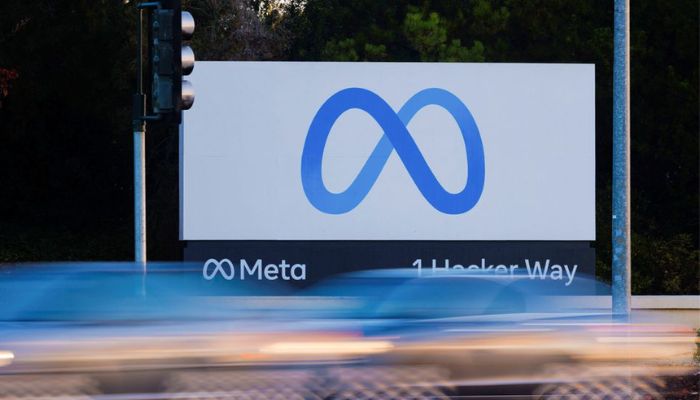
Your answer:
<point x="170" y="59"/>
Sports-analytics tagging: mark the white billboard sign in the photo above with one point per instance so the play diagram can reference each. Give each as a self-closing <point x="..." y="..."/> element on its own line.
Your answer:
<point x="389" y="151"/>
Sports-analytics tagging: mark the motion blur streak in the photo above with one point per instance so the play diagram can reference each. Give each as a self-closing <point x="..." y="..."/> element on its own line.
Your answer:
<point x="648" y="339"/>
<point x="368" y="347"/>
<point x="109" y="332"/>
<point x="6" y="358"/>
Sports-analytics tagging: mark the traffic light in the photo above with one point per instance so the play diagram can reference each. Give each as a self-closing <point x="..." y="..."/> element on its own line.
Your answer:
<point x="162" y="90"/>
<point x="171" y="59"/>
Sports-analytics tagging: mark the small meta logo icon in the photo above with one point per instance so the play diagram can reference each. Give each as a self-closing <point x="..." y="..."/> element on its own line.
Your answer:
<point x="396" y="137"/>
<point x="224" y="267"/>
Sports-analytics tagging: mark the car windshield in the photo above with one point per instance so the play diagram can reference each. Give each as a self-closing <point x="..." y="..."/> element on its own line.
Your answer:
<point x="453" y="296"/>
<point x="402" y="294"/>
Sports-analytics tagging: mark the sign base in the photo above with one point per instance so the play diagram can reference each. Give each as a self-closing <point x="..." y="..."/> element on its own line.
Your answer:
<point x="542" y="260"/>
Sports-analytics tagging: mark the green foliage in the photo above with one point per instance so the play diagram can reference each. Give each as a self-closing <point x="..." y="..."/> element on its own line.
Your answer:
<point x="428" y="36"/>
<point x="343" y="50"/>
<point x="375" y="52"/>
<point x="487" y="20"/>
<point x="455" y="52"/>
<point x="665" y="265"/>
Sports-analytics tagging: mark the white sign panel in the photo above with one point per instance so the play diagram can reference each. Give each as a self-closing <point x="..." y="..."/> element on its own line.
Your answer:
<point x="389" y="151"/>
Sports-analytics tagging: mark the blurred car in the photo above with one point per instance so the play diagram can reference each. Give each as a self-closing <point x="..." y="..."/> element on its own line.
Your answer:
<point x="504" y="334"/>
<point x="72" y="326"/>
<point x="84" y="331"/>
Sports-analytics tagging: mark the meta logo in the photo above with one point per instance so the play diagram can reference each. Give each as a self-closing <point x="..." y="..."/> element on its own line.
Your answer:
<point x="223" y="267"/>
<point x="396" y="137"/>
<point x="256" y="270"/>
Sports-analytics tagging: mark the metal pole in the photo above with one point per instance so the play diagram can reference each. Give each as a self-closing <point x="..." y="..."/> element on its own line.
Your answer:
<point x="621" y="237"/>
<point x="140" y="195"/>
<point x="140" y="156"/>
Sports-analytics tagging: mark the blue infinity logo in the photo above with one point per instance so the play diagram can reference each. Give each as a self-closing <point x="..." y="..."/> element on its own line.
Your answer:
<point x="219" y="268"/>
<point x="396" y="137"/>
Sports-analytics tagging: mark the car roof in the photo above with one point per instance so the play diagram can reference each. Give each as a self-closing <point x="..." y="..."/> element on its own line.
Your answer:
<point x="120" y="291"/>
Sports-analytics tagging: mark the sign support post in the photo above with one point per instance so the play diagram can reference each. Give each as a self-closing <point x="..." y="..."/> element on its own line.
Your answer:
<point x="621" y="236"/>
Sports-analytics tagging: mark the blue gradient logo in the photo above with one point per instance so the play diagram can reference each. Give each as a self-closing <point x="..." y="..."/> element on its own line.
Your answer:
<point x="396" y="137"/>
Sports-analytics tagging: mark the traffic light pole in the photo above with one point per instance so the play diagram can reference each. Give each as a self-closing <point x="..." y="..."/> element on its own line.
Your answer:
<point x="169" y="94"/>
<point x="140" y="194"/>
<point x="139" y="128"/>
